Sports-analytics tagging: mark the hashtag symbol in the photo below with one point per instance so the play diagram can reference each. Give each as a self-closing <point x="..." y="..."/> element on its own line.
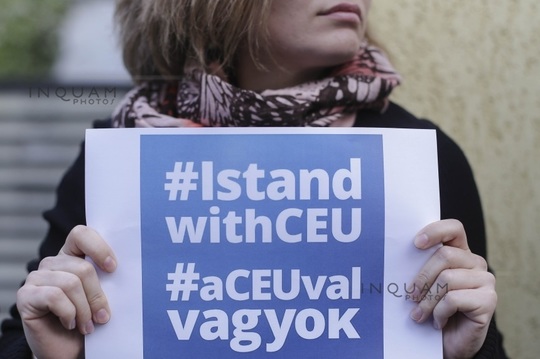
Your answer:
<point x="181" y="181"/>
<point x="182" y="282"/>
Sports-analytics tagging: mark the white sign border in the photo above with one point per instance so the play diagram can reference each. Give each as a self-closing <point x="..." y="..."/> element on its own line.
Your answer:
<point x="410" y="171"/>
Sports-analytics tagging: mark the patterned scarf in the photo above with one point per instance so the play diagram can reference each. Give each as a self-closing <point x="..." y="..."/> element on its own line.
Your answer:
<point x="209" y="100"/>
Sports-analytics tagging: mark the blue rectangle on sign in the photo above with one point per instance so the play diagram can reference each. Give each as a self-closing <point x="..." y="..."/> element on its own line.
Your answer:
<point x="263" y="246"/>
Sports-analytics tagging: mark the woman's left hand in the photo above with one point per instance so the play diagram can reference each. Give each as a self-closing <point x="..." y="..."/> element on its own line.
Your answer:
<point x="455" y="287"/>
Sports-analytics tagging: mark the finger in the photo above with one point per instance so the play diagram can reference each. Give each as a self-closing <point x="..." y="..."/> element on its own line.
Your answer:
<point x="448" y="232"/>
<point x="35" y="302"/>
<point x="448" y="281"/>
<point x="73" y="289"/>
<point x="477" y="305"/>
<point x="85" y="271"/>
<point x="84" y="241"/>
<point x="444" y="258"/>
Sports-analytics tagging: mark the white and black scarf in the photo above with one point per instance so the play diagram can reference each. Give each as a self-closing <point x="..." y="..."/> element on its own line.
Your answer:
<point x="210" y="100"/>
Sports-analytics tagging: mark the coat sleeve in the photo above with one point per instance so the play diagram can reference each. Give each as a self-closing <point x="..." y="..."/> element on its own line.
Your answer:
<point x="68" y="212"/>
<point x="459" y="195"/>
<point x="460" y="200"/>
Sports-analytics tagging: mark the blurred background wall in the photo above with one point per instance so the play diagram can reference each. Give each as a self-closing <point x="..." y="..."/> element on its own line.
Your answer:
<point x="473" y="67"/>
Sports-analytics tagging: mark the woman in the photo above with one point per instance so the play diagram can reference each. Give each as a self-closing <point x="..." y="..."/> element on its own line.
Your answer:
<point x="256" y="63"/>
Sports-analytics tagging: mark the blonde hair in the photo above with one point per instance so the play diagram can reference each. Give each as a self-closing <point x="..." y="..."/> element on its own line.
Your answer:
<point x="160" y="38"/>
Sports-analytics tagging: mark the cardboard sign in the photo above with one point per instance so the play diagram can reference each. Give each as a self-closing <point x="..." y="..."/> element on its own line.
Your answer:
<point x="262" y="243"/>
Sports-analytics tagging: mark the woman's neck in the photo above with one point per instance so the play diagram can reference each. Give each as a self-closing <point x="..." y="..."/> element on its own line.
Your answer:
<point x="249" y="76"/>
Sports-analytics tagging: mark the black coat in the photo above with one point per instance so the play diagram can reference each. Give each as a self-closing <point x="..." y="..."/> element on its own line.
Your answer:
<point x="459" y="199"/>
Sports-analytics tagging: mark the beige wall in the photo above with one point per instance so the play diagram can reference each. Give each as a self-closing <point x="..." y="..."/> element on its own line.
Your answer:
<point x="473" y="66"/>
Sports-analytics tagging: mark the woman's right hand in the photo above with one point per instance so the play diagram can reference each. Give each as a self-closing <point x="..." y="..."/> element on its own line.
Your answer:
<point x="62" y="300"/>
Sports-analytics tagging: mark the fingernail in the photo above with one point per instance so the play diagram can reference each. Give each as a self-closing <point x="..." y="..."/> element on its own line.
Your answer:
<point x="72" y="324"/>
<point x="102" y="316"/>
<point x="416" y="314"/>
<point x="109" y="264"/>
<point x="421" y="241"/>
<point x="89" y="327"/>
<point x="436" y="325"/>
